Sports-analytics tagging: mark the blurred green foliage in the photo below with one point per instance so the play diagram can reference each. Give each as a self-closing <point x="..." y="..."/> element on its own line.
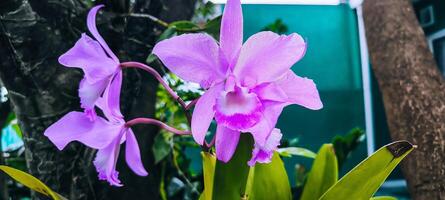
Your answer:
<point x="277" y="26"/>
<point x="345" y="144"/>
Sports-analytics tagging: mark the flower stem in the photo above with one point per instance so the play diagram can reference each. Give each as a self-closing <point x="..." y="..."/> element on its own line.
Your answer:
<point x="158" y="123"/>
<point x="147" y="16"/>
<point x="162" y="82"/>
<point x="191" y="104"/>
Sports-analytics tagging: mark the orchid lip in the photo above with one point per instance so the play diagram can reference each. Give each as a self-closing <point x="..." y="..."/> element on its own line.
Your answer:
<point x="238" y="109"/>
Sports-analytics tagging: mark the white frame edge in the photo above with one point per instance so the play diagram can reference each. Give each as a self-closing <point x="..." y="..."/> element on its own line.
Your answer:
<point x="367" y="94"/>
<point x="434" y="36"/>
<point x="366" y="80"/>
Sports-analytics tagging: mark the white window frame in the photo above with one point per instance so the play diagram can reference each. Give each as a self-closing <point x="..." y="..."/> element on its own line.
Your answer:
<point x="430" y="11"/>
<point x="434" y="36"/>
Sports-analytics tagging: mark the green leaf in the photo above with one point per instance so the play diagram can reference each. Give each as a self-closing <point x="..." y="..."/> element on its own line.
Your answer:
<point x="383" y="198"/>
<point x="208" y="166"/>
<point x="344" y="145"/>
<point x="184" y="26"/>
<point x="236" y="180"/>
<point x="323" y="174"/>
<point x="264" y="186"/>
<point x="231" y="178"/>
<point x="213" y="27"/>
<point x="16" y="162"/>
<point x="205" y="9"/>
<point x="31" y="182"/>
<point x="168" y="33"/>
<point x="151" y="58"/>
<point x="296" y="151"/>
<point x="366" y="178"/>
<point x="162" y="146"/>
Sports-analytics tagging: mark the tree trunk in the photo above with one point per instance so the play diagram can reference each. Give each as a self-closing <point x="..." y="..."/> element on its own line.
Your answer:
<point x="413" y="92"/>
<point x="33" y="34"/>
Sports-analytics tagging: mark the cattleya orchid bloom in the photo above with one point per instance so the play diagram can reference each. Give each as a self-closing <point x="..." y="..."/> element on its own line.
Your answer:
<point x="247" y="85"/>
<point x="97" y="61"/>
<point x="101" y="87"/>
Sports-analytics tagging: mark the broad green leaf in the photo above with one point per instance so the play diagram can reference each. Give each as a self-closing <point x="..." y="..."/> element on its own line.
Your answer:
<point x="236" y="180"/>
<point x="208" y="167"/>
<point x="323" y="174"/>
<point x="364" y="180"/>
<point x="269" y="181"/>
<point x="30" y="182"/>
<point x="383" y="198"/>
<point x="163" y="144"/>
<point x="230" y="178"/>
<point x="296" y="151"/>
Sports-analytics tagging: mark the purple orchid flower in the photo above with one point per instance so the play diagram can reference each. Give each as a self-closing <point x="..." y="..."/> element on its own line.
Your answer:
<point x="97" y="61"/>
<point x="101" y="87"/>
<point x="247" y="85"/>
<point x="104" y="134"/>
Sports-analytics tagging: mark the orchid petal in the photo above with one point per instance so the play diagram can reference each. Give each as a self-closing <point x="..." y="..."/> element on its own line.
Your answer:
<point x="270" y="92"/>
<point x="105" y="162"/>
<point x="91" y="23"/>
<point x="110" y="102"/>
<point x="263" y="154"/>
<point x="301" y="91"/>
<point x="226" y="142"/>
<point x="192" y="57"/>
<point x="204" y="112"/>
<point x="239" y="109"/>
<point x="89" y="93"/>
<point x="263" y="128"/>
<point x="88" y="55"/>
<point x="231" y="36"/>
<point x="133" y="155"/>
<point x="76" y="126"/>
<point x="266" y="56"/>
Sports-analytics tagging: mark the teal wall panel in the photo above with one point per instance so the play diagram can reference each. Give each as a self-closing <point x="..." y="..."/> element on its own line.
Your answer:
<point x="331" y="34"/>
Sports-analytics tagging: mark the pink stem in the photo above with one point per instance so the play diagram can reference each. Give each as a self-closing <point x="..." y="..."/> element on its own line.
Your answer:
<point x="163" y="83"/>
<point x="191" y="104"/>
<point x="156" y="122"/>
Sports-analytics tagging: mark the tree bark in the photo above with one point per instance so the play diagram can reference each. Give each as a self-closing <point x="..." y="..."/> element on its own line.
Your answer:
<point x="33" y="34"/>
<point x="413" y="92"/>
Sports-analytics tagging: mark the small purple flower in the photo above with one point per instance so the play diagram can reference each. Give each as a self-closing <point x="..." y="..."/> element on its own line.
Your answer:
<point x="104" y="134"/>
<point x="247" y="85"/>
<point x="101" y="87"/>
<point x="97" y="61"/>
